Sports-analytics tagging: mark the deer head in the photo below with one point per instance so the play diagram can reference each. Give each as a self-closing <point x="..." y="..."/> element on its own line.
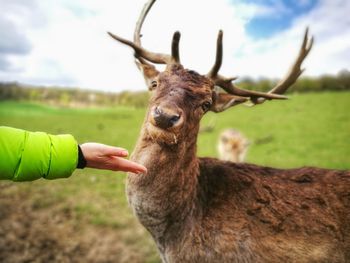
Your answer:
<point x="181" y="97"/>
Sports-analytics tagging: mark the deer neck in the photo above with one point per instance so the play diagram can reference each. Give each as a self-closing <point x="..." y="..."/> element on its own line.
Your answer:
<point x="167" y="165"/>
<point x="168" y="188"/>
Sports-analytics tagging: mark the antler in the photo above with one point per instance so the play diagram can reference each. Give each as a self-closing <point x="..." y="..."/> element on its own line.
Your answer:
<point x="255" y="96"/>
<point x="140" y="52"/>
<point x="295" y="71"/>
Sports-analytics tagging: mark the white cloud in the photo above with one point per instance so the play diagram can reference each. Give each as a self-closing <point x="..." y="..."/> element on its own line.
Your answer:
<point x="72" y="47"/>
<point x="262" y="8"/>
<point x="330" y="26"/>
<point x="84" y="52"/>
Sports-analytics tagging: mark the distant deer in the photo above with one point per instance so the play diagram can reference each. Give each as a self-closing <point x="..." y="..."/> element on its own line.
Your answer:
<point x="207" y="210"/>
<point x="232" y="146"/>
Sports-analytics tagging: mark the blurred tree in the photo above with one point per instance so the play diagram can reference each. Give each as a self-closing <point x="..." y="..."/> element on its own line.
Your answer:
<point x="139" y="99"/>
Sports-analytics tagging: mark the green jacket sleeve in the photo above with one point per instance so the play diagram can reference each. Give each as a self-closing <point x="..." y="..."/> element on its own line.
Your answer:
<point x="27" y="156"/>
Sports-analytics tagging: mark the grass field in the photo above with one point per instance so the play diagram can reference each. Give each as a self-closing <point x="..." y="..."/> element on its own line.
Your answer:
<point x="310" y="129"/>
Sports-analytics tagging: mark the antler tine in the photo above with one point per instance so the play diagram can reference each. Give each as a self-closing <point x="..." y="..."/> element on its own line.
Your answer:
<point x="218" y="59"/>
<point x="175" y="47"/>
<point x="255" y="96"/>
<point x="137" y="32"/>
<point x="157" y="58"/>
<point x="141" y="52"/>
<point x="139" y="23"/>
<point x="295" y="71"/>
<point x="227" y="85"/>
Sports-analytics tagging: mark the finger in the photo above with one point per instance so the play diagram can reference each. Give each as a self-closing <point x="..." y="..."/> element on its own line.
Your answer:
<point x="120" y="164"/>
<point x="115" y="151"/>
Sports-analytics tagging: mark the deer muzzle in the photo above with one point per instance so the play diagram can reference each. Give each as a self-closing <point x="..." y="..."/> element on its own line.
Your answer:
<point x="165" y="118"/>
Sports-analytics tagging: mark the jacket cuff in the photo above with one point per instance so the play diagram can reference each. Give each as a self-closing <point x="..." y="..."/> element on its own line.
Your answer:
<point x="81" y="159"/>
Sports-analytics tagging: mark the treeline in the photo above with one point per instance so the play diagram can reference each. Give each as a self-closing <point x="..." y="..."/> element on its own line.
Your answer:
<point x="85" y="98"/>
<point x="339" y="82"/>
<point x="71" y="97"/>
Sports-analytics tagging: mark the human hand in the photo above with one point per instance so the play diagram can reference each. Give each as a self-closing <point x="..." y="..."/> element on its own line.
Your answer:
<point x="101" y="156"/>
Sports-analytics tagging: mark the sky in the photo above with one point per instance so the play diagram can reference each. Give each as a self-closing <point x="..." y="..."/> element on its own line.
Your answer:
<point x="64" y="42"/>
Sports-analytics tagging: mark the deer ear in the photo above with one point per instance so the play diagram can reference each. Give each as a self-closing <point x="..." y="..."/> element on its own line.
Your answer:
<point x="149" y="72"/>
<point x="223" y="101"/>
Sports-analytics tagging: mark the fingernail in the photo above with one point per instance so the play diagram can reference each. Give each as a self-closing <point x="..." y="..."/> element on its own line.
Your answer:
<point x="125" y="153"/>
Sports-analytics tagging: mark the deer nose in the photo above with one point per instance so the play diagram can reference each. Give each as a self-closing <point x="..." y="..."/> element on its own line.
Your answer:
<point x="165" y="118"/>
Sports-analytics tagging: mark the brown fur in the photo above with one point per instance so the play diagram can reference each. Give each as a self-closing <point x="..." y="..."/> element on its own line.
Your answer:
<point x="206" y="210"/>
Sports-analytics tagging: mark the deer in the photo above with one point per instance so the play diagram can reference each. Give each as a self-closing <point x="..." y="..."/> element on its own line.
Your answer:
<point x="208" y="210"/>
<point x="232" y="146"/>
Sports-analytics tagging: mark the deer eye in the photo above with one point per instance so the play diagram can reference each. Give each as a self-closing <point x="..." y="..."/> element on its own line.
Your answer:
<point x="154" y="84"/>
<point x="206" y="106"/>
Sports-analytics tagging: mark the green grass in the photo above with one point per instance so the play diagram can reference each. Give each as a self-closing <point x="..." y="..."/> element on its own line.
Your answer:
<point x="309" y="129"/>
